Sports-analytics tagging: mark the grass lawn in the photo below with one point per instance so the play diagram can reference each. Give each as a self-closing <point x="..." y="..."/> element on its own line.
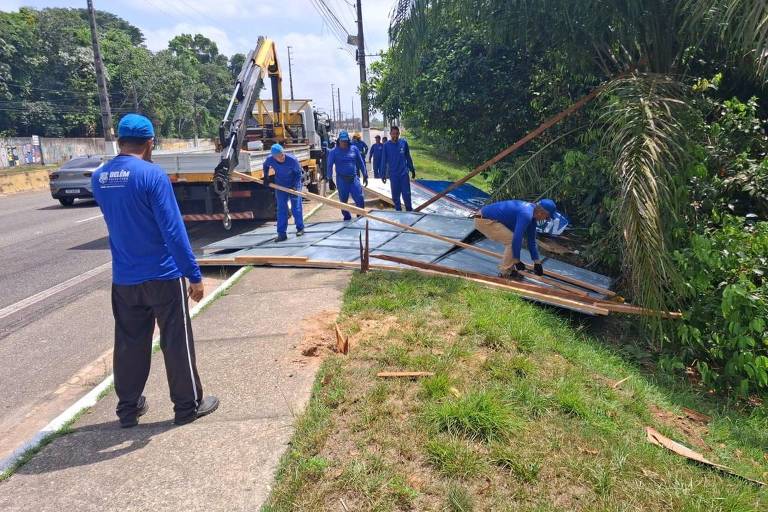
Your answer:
<point x="430" y="166"/>
<point x="523" y="413"/>
<point x="25" y="168"/>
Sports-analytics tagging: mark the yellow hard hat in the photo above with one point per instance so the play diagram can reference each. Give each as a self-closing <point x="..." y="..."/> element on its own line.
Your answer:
<point x="356" y="136"/>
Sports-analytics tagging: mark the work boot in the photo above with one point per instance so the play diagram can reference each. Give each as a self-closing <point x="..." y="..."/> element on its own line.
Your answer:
<point x="512" y="273"/>
<point x="141" y="409"/>
<point x="206" y="407"/>
<point x="282" y="237"/>
<point x="300" y="232"/>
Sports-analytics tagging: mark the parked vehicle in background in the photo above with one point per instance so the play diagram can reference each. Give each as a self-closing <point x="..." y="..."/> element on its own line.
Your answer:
<point x="73" y="179"/>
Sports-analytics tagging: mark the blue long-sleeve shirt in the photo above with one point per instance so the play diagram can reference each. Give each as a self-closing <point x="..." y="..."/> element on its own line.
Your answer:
<point x="396" y="158"/>
<point x="518" y="217"/>
<point x="287" y="174"/>
<point x="375" y="154"/>
<point x="147" y="236"/>
<point x="361" y="146"/>
<point x="347" y="161"/>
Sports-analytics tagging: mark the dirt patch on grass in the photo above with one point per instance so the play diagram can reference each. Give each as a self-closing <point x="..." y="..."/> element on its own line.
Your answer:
<point x="318" y="335"/>
<point x="693" y="427"/>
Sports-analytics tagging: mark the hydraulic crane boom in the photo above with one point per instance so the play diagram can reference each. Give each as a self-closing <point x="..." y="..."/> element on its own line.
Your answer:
<point x="261" y="61"/>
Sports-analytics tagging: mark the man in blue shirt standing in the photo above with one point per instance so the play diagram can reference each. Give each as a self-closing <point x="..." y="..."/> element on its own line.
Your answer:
<point x="360" y="144"/>
<point x="287" y="173"/>
<point x="508" y="222"/>
<point x="396" y="162"/>
<point x="375" y="156"/>
<point x="348" y="162"/>
<point x="151" y="259"/>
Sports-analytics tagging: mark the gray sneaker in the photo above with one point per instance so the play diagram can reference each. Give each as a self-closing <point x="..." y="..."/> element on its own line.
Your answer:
<point x="300" y="232"/>
<point x="206" y="407"/>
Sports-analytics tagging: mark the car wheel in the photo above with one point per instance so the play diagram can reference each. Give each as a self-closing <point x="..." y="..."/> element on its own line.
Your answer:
<point x="67" y="201"/>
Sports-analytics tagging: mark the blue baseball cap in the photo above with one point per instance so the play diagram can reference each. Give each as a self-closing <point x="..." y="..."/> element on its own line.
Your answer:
<point x="343" y="136"/>
<point x="135" y="126"/>
<point x="276" y="149"/>
<point x="548" y="205"/>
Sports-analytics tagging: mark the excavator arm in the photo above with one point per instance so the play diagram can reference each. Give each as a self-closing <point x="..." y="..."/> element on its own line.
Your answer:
<point x="261" y="62"/>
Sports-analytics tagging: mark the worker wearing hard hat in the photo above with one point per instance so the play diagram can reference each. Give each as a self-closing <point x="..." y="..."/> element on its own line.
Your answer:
<point x="375" y="156"/>
<point x="285" y="170"/>
<point x="348" y="162"/>
<point x="396" y="162"/>
<point x="508" y="222"/>
<point x="360" y="144"/>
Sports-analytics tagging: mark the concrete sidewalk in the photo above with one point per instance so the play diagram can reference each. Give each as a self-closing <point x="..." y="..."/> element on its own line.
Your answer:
<point x="249" y="347"/>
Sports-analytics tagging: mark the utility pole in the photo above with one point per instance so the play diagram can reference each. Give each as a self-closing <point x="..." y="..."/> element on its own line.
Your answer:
<point x="365" y="120"/>
<point x="333" y="108"/>
<point x="101" y="83"/>
<point x="354" y="125"/>
<point x="290" y="71"/>
<point x="338" y="101"/>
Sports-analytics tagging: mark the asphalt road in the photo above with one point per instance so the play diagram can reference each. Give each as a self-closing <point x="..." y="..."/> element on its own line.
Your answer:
<point x="55" y="310"/>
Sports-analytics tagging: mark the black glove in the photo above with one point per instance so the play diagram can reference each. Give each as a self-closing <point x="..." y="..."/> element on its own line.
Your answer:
<point x="365" y="181"/>
<point x="538" y="269"/>
<point x="520" y="265"/>
<point x="331" y="184"/>
<point x="413" y="174"/>
<point x="384" y="180"/>
<point x="267" y="179"/>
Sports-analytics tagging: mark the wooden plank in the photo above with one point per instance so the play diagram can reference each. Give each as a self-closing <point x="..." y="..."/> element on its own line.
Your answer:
<point x="270" y="260"/>
<point x="637" y="310"/>
<point x="546" y="125"/>
<point x="342" y="342"/>
<point x="389" y="375"/>
<point x="523" y="289"/>
<point x="365" y="213"/>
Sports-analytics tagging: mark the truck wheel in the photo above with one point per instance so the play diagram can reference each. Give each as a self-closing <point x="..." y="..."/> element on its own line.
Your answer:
<point x="67" y="201"/>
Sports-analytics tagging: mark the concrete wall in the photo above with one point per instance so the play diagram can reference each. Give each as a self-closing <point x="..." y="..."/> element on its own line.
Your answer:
<point x="17" y="151"/>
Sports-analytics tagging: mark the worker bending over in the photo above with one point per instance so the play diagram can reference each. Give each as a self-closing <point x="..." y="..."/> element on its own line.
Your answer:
<point x="348" y="161"/>
<point x="396" y="161"/>
<point x="287" y="173"/>
<point x="360" y="144"/>
<point x="375" y="156"/>
<point x="508" y="222"/>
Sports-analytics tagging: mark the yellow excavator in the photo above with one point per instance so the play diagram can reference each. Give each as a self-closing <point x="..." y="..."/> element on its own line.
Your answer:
<point x="248" y="129"/>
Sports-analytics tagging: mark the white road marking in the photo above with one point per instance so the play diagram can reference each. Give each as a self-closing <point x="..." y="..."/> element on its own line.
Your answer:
<point x="89" y="218"/>
<point x="53" y="290"/>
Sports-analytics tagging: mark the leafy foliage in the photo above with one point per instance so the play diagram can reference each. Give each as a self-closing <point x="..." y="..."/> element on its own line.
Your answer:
<point x="47" y="77"/>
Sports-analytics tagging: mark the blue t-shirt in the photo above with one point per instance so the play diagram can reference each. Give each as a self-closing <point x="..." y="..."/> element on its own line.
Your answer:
<point x="146" y="232"/>
<point x="347" y="161"/>
<point x="396" y="158"/>
<point x="287" y="174"/>
<point x="361" y="146"/>
<point x="517" y="216"/>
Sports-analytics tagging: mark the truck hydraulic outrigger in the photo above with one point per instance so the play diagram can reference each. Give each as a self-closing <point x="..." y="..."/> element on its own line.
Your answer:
<point x="260" y="61"/>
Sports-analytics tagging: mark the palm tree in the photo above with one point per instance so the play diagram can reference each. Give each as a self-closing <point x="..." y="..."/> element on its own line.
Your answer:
<point x="652" y="45"/>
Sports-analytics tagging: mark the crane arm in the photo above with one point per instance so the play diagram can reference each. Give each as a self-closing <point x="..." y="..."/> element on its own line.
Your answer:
<point x="261" y="62"/>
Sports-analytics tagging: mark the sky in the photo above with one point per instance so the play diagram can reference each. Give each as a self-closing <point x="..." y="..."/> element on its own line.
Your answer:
<point x="316" y="54"/>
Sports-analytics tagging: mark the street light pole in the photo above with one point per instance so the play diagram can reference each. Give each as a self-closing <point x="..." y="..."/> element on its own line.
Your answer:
<point x="364" y="117"/>
<point x="333" y="108"/>
<point x="290" y="71"/>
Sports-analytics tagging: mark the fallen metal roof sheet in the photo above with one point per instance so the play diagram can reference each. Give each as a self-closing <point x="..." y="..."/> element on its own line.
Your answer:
<point x="340" y="241"/>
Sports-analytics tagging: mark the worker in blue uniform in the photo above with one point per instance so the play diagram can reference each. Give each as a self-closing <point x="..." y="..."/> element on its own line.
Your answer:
<point x="285" y="170"/>
<point x="375" y="156"/>
<point x="509" y="222"/>
<point x="396" y="162"/>
<point x="152" y="262"/>
<point x="360" y="144"/>
<point x="348" y="162"/>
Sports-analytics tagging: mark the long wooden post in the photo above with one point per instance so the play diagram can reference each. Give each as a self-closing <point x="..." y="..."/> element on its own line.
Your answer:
<point x="546" y="125"/>
<point x="365" y="213"/>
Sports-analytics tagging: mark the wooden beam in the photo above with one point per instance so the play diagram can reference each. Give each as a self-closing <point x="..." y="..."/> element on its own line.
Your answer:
<point x="411" y="375"/>
<point x="523" y="289"/>
<point x="270" y="260"/>
<point x="458" y="243"/>
<point x="546" y="125"/>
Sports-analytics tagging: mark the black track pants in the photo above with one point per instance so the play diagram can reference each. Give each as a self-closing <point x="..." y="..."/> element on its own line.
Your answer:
<point x="136" y="307"/>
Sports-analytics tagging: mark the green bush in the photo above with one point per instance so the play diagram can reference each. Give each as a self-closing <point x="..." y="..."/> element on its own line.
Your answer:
<point x="724" y="330"/>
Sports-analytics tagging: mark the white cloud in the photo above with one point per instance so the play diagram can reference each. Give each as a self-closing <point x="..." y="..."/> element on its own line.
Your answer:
<point x="157" y="39"/>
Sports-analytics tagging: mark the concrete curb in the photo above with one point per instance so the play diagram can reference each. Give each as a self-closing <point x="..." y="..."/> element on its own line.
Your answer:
<point x="22" y="181"/>
<point x="89" y="400"/>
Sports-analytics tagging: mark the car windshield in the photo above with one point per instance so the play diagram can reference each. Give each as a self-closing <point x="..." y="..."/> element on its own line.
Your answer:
<point x="82" y="163"/>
